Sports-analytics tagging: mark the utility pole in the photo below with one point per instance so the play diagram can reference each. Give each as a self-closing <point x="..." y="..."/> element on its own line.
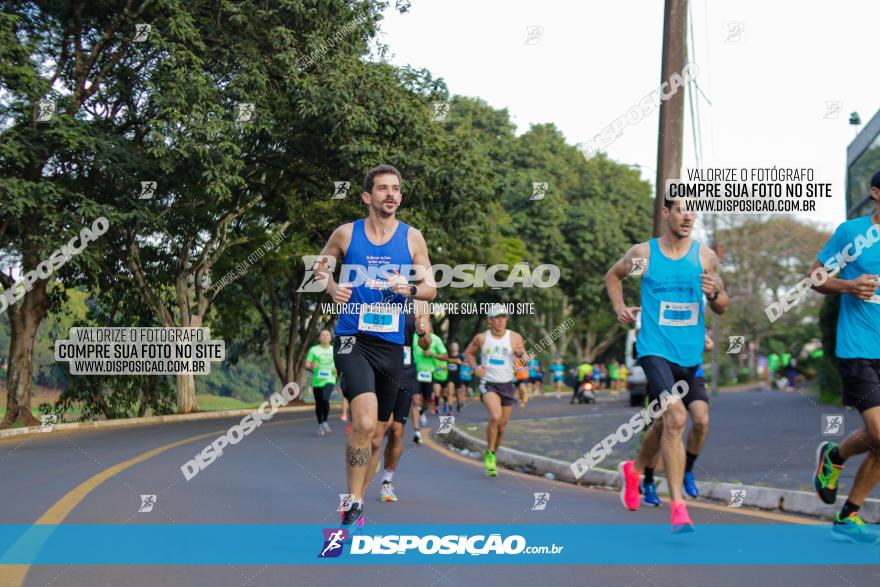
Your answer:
<point x="672" y="110"/>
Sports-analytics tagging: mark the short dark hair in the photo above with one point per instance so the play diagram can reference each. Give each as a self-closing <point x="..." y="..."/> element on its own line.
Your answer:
<point x="875" y="181"/>
<point x="379" y="170"/>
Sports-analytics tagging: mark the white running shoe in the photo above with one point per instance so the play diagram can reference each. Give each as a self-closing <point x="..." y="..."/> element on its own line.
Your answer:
<point x="321" y="430"/>
<point x="326" y="426"/>
<point x="423" y="420"/>
<point x="386" y="494"/>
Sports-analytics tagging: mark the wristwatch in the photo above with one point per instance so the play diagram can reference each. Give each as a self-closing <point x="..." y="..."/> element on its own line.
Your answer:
<point x="413" y="290"/>
<point x="715" y="297"/>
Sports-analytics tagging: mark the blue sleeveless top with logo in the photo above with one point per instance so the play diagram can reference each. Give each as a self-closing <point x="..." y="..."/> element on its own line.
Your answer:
<point x="381" y="322"/>
<point x="672" y="308"/>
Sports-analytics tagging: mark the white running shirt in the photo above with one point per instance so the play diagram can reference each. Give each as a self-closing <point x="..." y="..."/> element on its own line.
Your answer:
<point x="497" y="358"/>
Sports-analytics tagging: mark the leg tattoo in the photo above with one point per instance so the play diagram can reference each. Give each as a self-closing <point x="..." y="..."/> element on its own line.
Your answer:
<point x="357" y="457"/>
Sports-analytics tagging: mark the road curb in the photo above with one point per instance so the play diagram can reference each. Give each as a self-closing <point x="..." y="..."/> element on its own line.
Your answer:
<point x="766" y="498"/>
<point x="145" y="421"/>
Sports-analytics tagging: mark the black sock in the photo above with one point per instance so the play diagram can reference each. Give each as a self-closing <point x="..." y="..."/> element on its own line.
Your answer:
<point x="835" y="457"/>
<point x="849" y="508"/>
<point x="690" y="461"/>
<point x="649" y="475"/>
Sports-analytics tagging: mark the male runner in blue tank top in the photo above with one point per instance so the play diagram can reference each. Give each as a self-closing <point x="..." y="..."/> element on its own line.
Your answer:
<point x="680" y="271"/>
<point x="854" y="250"/>
<point x="369" y="339"/>
<point x="696" y="402"/>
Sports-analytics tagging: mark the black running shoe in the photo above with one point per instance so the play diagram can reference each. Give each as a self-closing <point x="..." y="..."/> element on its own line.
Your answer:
<point x="353" y="517"/>
<point x="827" y="474"/>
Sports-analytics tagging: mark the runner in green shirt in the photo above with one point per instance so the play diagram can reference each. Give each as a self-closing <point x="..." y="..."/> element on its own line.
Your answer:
<point x="425" y="365"/>
<point x="441" y="375"/>
<point x="319" y="361"/>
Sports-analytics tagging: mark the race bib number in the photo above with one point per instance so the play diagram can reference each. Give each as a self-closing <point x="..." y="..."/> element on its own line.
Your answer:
<point x="875" y="299"/>
<point x="324" y="374"/>
<point x="424" y="376"/>
<point x="406" y="351"/>
<point x="679" y="314"/>
<point x="377" y="318"/>
<point x="453" y="367"/>
<point x="496" y="361"/>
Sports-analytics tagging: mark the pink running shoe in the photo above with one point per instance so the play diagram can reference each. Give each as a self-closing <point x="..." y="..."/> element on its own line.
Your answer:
<point x="680" y="520"/>
<point x="629" y="485"/>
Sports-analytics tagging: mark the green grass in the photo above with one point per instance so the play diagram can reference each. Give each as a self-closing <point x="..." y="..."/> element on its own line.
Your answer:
<point x="217" y="403"/>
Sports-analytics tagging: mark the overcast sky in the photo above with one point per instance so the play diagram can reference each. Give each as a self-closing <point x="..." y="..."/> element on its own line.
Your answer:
<point x="768" y="84"/>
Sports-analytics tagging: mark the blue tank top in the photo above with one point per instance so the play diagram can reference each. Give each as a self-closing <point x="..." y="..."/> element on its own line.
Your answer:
<point x="672" y="308"/>
<point x="364" y="254"/>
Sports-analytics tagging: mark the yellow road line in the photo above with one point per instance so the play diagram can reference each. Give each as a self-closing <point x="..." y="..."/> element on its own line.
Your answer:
<point x="15" y="575"/>
<point x="697" y="504"/>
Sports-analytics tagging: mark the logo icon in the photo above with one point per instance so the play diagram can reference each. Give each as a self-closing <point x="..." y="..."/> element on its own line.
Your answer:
<point x="345" y="500"/>
<point x="639" y="264"/>
<point x="735" y="32"/>
<point x="736" y="344"/>
<point x="832" y="109"/>
<point x="147" y="503"/>
<point x="832" y="424"/>
<point x="334" y="538"/>
<point x="46" y="111"/>
<point x="533" y="34"/>
<point x="346" y="343"/>
<point x="148" y="189"/>
<point x="736" y="498"/>
<point x="446" y="423"/>
<point x="47" y="422"/>
<point x="140" y="32"/>
<point x="243" y="112"/>
<point x="539" y="190"/>
<point x="341" y="189"/>
<point x="441" y="109"/>
<point x="541" y="500"/>
<point x="311" y="283"/>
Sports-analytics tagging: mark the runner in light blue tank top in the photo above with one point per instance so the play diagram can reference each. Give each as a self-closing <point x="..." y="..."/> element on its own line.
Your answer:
<point x="673" y="326"/>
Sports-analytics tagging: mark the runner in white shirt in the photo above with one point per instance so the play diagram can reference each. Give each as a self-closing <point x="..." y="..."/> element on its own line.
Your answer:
<point x="497" y="347"/>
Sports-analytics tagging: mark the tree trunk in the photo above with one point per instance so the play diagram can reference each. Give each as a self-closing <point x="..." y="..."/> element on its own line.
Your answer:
<point x="186" y="382"/>
<point x="23" y="321"/>
<point x="186" y="393"/>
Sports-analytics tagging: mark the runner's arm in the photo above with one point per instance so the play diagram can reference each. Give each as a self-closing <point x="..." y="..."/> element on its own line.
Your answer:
<point x="472" y="349"/>
<point x="712" y="283"/>
<point x="518" y="343"/>
<point x="425" y="290"/>
<point x="863" y="287"/>
<point x="423" y="324"/>
<point x="335" y="248"/>
<point x="614" y="283"/>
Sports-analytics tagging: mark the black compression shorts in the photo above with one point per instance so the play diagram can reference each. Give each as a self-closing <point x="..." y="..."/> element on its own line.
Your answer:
<point x="367" y="364"/>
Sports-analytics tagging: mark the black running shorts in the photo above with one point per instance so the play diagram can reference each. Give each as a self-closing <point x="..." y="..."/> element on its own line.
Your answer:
<point x="367" y="364"/>
<point x="403" y="405"/>
<point x="861" y="382"/>
<point x="662" y="375"/>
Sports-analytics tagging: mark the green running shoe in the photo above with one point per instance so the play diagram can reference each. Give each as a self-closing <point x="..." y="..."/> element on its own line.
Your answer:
<point x="827" y="474"/>
<point x="489" y="463"/>
<point x="853" y="529"/>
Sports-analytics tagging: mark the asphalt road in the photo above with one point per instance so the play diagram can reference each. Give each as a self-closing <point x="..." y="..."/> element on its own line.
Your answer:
<point x="755" y="437"/>
<point x="284" y="474"/>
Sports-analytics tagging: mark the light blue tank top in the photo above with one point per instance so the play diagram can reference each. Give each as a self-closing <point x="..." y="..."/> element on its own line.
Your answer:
<point x="672" y="308"/>
<point x="363" y="253"/>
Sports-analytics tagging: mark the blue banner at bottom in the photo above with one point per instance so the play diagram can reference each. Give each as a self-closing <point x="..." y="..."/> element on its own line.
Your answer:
<point x="629" y="544"/>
